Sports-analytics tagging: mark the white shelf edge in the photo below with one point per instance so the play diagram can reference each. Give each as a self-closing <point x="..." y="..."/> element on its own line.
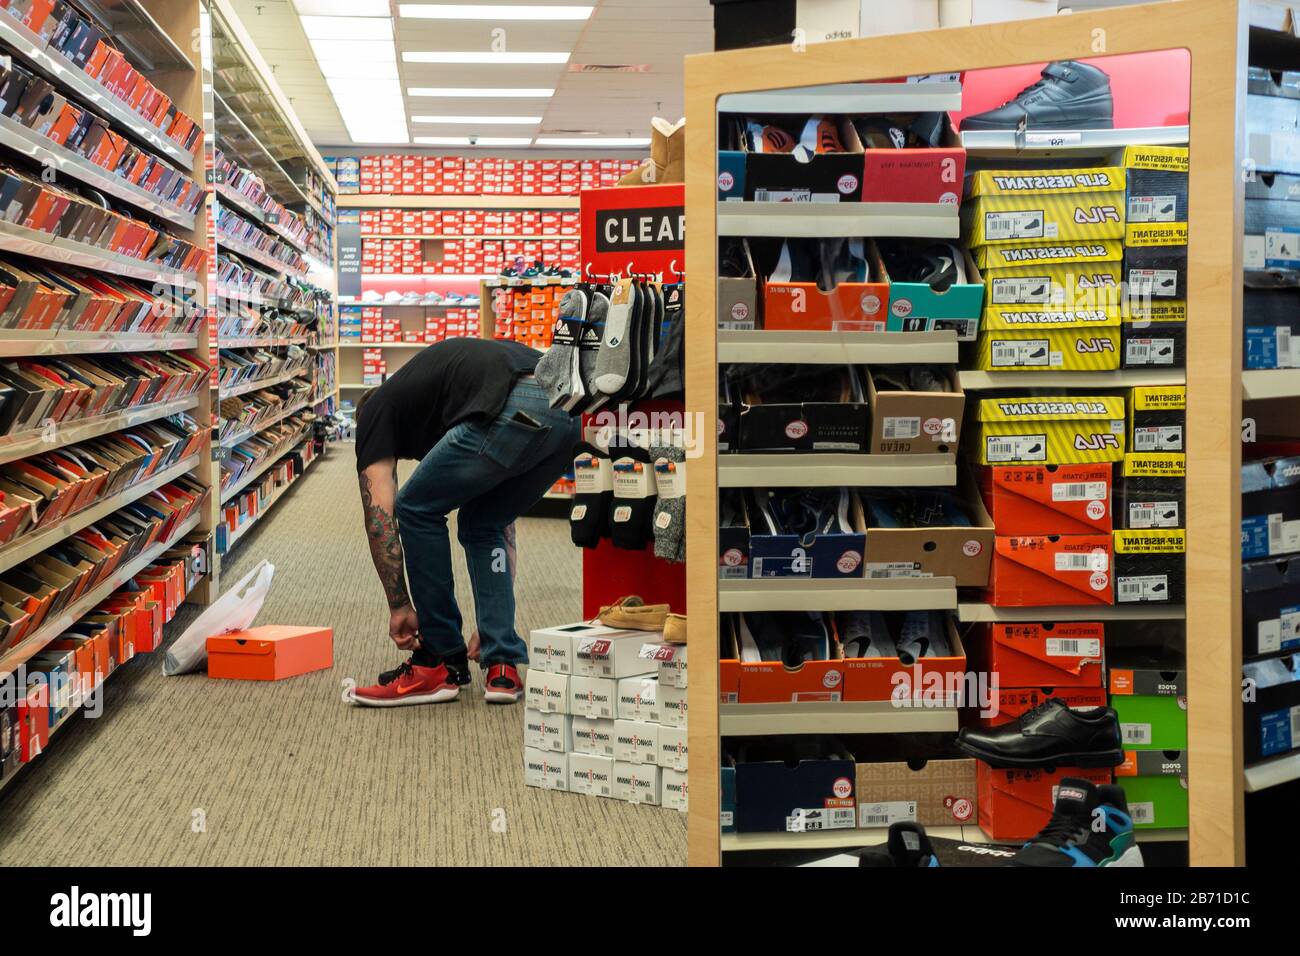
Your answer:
<point x="44" y="245"/>
<point x="837" y="594"/>
<point x="835" y="469"/>
<point x="985" y="613"/>
<point x="848" y="717"/>
<point x="29" y="342"/>
<point x="846" y="838"/>
<point x="253" y="386"/>
<point x="35" y="441"/>
<point x="817" y="220"/>
<point x="972" y="381"/>
<point x="33" y="543"/>
<point x="257" y="472"/>
<point x="1259" y="384"/>
<point x="1008" y="143"/>
<point x="935" y="97"/>
<point x="50" y="630"/>
<point x="838" y="348"/>
<point x="45" y="151"/>
<point x="1273" y="772"/>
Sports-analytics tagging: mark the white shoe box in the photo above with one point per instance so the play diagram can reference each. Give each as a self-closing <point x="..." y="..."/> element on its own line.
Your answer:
<point x="673" y="748"/>
<point x="672" y="705"/>
<point x="616" y="654"/>
<point x="593" y="697"/>
<point x="554" y="648"/>
<point x="638" y="699"/>
<point x="591" y="774"/>
<point x="959" y="13"/>
<point x="546" y="692"/>
<point x="543" y="731"/>
<point x="672" y="664"/>
<point x="636" y="783"/>
<point x="636" y="742"/>
<point x="673" y="789"/>
<point x="593" y="736"/>
<point x="546" y="770"/>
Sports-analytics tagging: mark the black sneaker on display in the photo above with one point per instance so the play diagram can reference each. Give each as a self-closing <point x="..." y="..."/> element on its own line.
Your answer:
<point x="1049" y="735"/>
<point x="1069" y="95"/>
<point x="907" y="846"/>
<point x="1090" y="826"/>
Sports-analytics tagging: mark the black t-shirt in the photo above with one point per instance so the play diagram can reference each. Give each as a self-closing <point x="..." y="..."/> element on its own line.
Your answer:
<point x="445" y="384"/>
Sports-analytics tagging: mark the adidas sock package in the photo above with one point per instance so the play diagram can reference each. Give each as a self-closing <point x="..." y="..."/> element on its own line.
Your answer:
<point x="557" y="367"/>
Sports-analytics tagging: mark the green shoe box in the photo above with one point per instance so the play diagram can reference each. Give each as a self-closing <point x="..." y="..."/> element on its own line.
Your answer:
<point x="1152" y="707"/>
<point x="1155" y="786"/>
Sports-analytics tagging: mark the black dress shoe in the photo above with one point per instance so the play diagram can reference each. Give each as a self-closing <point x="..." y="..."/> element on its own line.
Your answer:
<point x="1050" y="735"/>
<point x="1070" y="95"/>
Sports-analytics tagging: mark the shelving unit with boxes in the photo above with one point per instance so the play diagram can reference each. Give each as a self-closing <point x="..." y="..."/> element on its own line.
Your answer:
<point x="274" y="245"/>
<point x="747" y="712"/>
<point x="105" y="470"/>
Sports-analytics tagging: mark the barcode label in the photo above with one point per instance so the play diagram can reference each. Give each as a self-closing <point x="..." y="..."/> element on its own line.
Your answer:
<point x="1155" y="283"/>
<point x="1014" y="224"/>
<point x="1281" y="245"/>
<point x="1275" y="534"/>
<point x="896" y="569"/>
<point x="1149" y="352"/>
<point x="1284" y="359"/>
<point x="1030" y="353"/>
<point x="1093" y="561"/>
<point x="1023" y="290"/>
<point x="806" y="820"/>
<point x="1154" y="514"/>
<point x="1295" y="725"/>
<point x="1158" y="438"/>
<point x="1149" y="587"/>
<point x="1142" y="813"/>
<point x="1137" y="734"/>
<point x="793" y="195"/>
<point x="1152" y="209"/>
<point x="902" y="428"/>
<point x="887" y="813"/>
<point x="1073" y="647"/>
<point x="1079" y="491"/>
<point x="1016" y="448"/>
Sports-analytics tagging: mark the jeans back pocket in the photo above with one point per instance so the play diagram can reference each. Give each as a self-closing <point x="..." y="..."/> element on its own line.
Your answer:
<point x="510" y="441"/>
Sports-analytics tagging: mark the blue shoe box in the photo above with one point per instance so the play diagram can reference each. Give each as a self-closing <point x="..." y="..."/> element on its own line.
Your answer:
<point x="1270" y="507"/>
<point x="776" y="794"/>
<point x="1270" y="607"/>
<point x="837" y="555"/>
<point x="1272" y="711"/>
<point x="728" y="802"/>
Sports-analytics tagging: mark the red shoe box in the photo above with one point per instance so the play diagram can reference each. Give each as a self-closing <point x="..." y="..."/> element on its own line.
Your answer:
<point x="1048" y="499"/>
<point x="1016" y="804"/>
<point x="1051" y="570"/>
<point x="1062" y="654"/>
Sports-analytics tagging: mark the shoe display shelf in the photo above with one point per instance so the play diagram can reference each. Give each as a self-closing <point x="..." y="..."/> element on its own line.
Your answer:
<point x="255" y="126"/>
<point x="385" y="201"/>
<point x="157" y="39"/>
<point x="234" y="537"/>
<point x="1213" y="378"/>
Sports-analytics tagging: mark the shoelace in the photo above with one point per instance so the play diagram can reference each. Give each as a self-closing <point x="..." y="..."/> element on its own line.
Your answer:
<point x="387" y="677"/>
<point x="1061" y="830"/>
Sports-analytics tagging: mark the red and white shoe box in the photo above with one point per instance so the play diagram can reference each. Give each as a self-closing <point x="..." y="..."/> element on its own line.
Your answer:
<point x="451" y="176"/>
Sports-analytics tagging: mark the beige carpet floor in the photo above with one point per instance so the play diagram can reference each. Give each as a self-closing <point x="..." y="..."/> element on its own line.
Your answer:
<point x="192" y="771"/>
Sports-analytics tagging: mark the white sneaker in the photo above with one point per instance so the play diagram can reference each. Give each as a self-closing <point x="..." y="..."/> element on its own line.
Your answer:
<point x="370" y="296"/>
<point x="393" y="298"/>
<point x="432" y="298"/>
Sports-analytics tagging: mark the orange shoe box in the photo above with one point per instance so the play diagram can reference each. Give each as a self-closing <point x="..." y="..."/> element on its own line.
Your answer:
<point x="1049" y="570"/>
<point x="273" y="652"/>
<point x="849" y="307"/>
<point x="33" y="720"/>
<point x="1061" y="654"/>
<point x="1016" y="804"/>
<point x="1048" y="499"/>
<point x="1010" y="703"/>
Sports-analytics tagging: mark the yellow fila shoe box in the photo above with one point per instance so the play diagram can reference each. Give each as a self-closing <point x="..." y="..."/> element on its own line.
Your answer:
<point x="1011" y="205"/>
<point x="1047" y="274"/>
<point x="1018" y="338"/>
<point x="1049" y="430"/>
<point x="1155" y="195"/>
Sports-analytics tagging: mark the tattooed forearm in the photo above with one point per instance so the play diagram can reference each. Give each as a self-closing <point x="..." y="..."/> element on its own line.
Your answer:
<point x="385" y="545"/>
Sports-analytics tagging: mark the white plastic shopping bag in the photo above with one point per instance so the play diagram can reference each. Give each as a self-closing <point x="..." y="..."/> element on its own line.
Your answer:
<point x="233" y="611"/>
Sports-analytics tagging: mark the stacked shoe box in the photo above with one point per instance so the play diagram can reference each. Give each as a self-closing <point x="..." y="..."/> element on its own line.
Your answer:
<point x="1270" y="538"/>
<point x="605" y="714"/>
<point x="374" y="368"/>
<point x="1155" y="256"/>
<point x="398" y="174"/>
<point x="1048" y="242"/>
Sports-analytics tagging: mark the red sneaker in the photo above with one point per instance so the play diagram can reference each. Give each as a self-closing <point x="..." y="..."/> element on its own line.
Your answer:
<point x="412" y="684"/>
<point x="501" y="684"/>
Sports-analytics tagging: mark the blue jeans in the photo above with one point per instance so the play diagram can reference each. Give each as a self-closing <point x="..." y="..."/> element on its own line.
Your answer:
<point x="493" y="473"/>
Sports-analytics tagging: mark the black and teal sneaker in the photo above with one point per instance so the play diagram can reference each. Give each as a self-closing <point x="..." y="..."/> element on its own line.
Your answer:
<point x="1090" y="826"/>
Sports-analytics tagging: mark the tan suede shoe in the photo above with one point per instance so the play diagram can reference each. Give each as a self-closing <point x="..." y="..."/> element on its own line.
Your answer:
<point x="632" y="613"/>
<point x="675" y="629"/>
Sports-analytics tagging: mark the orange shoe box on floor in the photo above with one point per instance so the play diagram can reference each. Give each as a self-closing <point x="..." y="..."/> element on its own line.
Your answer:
<point x="1048" y="499"/>
<point x="1061" y="654"/>
<point x="273" y="652"/>
<point x="1016" y="804"/>
<point x="1048" y="570"/>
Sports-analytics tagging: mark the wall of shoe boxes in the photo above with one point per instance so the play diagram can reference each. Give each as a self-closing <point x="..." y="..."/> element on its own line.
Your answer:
<point x="474" y="252"/>
<point x="1066" y="497"/>
<point x="65" y="674"/>
<point x="605" y="714"/>
<point x="1270" y="480"/>
<point x="404" y="174"/>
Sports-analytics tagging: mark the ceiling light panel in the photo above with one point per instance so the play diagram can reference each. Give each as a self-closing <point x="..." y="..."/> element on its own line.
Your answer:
<point x="348" y="28"/>
<point x="341" y="8"/>
<point x="614" y="142"/>
<point x="483" y="57"/>
<point x="491" y="11"/>
<point x="476" y="141"/>
<point x="479" y="120"/>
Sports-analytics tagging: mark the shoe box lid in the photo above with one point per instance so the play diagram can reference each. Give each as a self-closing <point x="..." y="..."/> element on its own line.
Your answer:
<point x="612" y="653"/>
<point x="271" y="652"/>
<point x="1031" y="182"/>
<point x="555" y="649"/>
<point x="636" y="783"/>
<point x="546" y="691"/>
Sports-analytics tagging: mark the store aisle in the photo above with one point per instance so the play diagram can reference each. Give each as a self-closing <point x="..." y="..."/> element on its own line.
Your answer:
<point x="287" y="773"/>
